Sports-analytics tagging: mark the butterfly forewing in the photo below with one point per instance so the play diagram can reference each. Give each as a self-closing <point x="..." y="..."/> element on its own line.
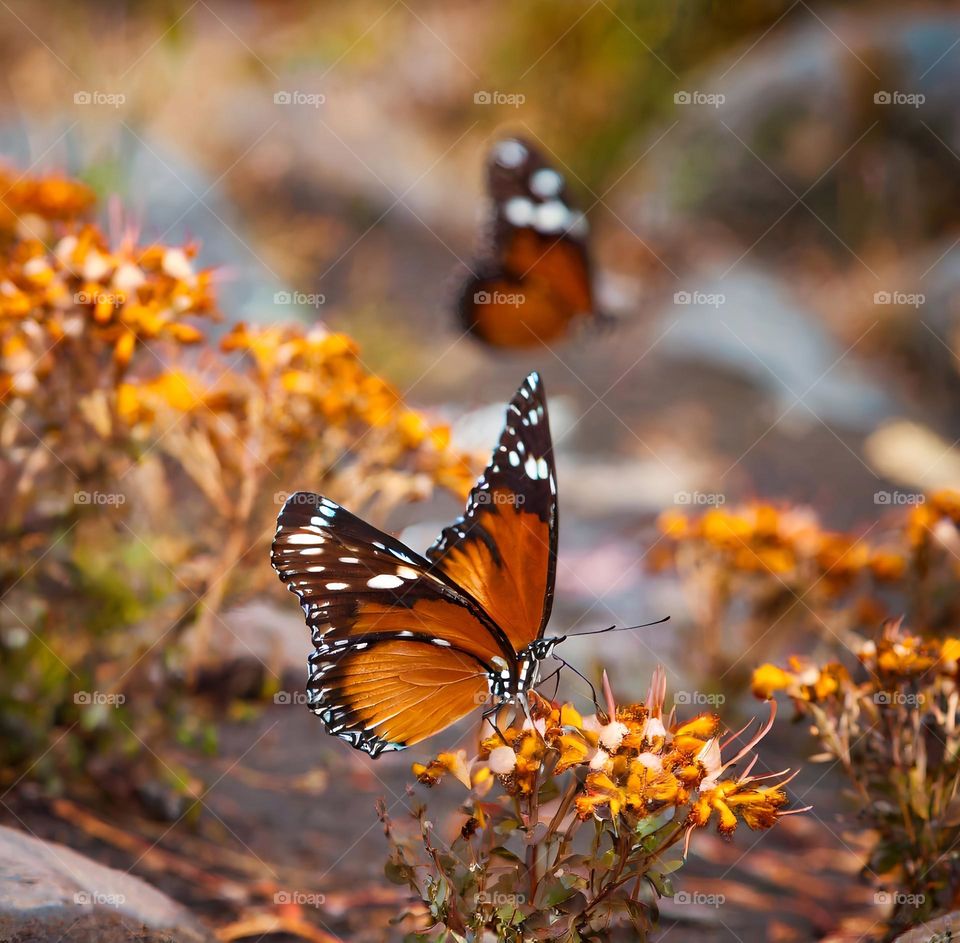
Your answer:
<point x="502" y="552"/>
<point x="400" y="653"/>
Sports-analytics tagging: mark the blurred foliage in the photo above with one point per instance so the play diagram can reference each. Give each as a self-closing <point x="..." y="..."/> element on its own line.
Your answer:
<point x="759" y="574"/>
<point x="140" y="476"/>
<point x="892" y="723"/>
<point x="572" y="822"/>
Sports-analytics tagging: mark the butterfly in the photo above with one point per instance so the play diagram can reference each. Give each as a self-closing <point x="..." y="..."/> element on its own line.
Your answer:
<point x="404" y="644"/>
<point x="537" y="280"/>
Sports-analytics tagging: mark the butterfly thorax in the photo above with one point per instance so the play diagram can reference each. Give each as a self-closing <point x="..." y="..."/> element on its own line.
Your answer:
<point x="508" y="684"/>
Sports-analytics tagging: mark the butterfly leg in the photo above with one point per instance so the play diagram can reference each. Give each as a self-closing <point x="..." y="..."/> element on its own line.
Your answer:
<point x="582" y="676"/>
<point x="485" y="718"/>
<point x="554" y="674"/>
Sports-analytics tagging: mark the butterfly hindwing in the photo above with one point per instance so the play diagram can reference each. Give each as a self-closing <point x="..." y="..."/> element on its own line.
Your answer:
<point x="503" y="550"/>
<point x="537" y="279"/>
<point x="400" y="653"/>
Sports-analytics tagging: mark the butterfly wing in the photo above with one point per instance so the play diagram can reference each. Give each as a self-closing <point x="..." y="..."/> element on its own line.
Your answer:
<point x="538" y="279"/>
<point x="400" y="652"/>
<point x="503" y="551"/>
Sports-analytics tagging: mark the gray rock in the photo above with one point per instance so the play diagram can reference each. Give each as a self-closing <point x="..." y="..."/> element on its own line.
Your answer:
<point x="49" y="892"/>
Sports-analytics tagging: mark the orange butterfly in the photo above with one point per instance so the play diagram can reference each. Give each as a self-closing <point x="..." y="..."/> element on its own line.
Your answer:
<point x="537" y="281"/>
<point x="407" y="644"/>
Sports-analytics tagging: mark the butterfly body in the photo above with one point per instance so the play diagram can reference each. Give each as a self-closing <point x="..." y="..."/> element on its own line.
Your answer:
<point x="405" y="644"/>
<point x="537" y="279"/>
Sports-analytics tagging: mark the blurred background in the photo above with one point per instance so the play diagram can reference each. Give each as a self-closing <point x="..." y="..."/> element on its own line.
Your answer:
<point x="772" y="189"/>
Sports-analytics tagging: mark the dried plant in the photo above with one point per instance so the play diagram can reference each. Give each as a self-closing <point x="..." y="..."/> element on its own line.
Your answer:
<point x="139" y="475"/>
<point x="573" y="824"/>
<point x="893" y="725"/>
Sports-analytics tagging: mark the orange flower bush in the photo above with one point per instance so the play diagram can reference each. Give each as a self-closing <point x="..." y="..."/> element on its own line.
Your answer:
<point x="141" y="468"/>
<point x="768" y="572"/>
<point x="628" y="783"/>
<point x="894" y="726"/>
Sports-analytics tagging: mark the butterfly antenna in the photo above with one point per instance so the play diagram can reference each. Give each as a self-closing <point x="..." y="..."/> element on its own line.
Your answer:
<point x="623" y="628"/>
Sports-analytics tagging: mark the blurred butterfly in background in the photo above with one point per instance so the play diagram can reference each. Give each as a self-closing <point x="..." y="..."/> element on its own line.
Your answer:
<point x="536" y="281"/>
<point x="404" y="644"/>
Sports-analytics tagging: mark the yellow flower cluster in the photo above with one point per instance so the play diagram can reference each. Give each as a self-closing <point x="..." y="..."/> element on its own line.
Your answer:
<point x="760" y="537"/>
<point x="897" y="657"/>
<point x="63" y="287"/>
<point x="635" y="764"/>
<point x="74" y="310"/>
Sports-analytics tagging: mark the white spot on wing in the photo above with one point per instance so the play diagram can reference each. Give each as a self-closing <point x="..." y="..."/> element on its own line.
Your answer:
<point x="519" y="211"/>
<point x="302" y="538"/>
<point x="552" y="216"/>
<point x="337" y="585"/>
<point x="509" y="153"/>
<point x="384" y="581"/>
<point x="532" y="468"/>
<point x="546" y="182"/>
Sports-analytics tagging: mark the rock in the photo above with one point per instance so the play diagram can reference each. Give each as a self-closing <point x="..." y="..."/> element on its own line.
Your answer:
<point x="49" y="892"/>
<point x="941" y="930"/>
